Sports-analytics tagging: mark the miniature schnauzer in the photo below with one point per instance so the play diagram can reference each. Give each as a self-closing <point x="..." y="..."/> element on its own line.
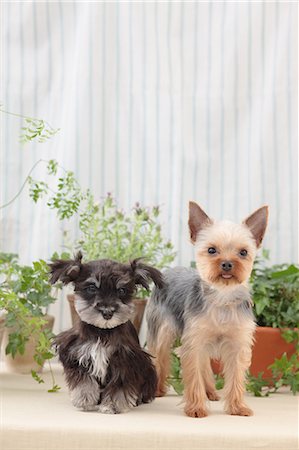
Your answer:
<point x="104" y="365"/>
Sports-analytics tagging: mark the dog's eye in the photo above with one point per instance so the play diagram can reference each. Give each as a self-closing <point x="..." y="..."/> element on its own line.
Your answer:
<point x="243" y="252"/>
<point x="211" y="250"/>
<point x="121" y="292"/>
<point x="91" y="289"/>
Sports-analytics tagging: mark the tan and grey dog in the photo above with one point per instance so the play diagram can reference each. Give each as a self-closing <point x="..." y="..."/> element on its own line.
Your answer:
<point x="210" y="309"/>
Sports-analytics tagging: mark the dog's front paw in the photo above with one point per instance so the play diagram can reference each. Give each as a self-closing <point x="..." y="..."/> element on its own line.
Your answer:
<point x="88" y="407"/>
<point x="108" y="409"/>
<point x="84" y="402"/>
<point x="196" y="411"/>
<point x="161" y="391"/>
<point x="239" y="410"/>
<point x="213" y="396"/>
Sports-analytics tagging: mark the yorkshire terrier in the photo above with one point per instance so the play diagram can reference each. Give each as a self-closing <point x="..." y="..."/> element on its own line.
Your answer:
<point x="210" y="309"/>
<point x="105" y="368"/>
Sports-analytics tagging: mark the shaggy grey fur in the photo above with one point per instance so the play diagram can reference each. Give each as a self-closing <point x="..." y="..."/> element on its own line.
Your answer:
<point x="183" y="296"/>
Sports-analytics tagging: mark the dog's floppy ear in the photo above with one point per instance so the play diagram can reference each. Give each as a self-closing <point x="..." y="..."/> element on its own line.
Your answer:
<point x="198" y="219"/>
<point x="144" y="274"/>
<point x="65" y="270"/>
<point x="257" y="224"/>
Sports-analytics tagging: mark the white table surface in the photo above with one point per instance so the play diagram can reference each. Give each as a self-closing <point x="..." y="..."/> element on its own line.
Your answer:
<point x="33" y="419"/>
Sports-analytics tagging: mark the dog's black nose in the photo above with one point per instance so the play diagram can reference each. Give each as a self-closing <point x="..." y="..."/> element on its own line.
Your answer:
<point x="227" y="265"/>
<point x="107" y="314"/>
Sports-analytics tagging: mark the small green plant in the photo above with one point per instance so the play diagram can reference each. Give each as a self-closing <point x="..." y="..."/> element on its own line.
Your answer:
<point x="108" y="232"/>
<point x="105" y="230"/>
<point x="257" y="385"/>
<point x="285" y="372"/>
<point x="275" y="293"/>
<point x="25" y="294"/>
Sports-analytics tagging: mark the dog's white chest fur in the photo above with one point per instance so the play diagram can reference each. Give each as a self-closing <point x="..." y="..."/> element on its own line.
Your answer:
<point x="94" y="356"/>
<point x="226" y="309"/>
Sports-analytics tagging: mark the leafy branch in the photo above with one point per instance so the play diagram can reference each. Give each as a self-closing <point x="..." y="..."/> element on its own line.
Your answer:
<point x="27" y="179"/>
<point x="34" y="128"/>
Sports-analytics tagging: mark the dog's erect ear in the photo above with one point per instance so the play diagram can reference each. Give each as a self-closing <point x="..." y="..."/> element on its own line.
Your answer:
<point x="198" y="220"/>
<point x="65" y="270"/>
<point x="257" y="224"/>
<point x="144" y="274"/>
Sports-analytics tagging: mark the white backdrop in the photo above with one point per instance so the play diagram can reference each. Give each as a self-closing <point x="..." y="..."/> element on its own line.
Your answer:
<point x="158" y="103"/>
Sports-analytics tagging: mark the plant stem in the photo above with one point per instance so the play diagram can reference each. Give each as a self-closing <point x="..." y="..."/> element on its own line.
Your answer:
<point x="26" y="180"/>
<point x="23" y="185"/>
<point x="52" y="375"/>
<point x="24" y="117"/>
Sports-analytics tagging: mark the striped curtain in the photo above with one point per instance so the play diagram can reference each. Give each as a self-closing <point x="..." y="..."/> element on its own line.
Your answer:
<point x="158" y="102"/>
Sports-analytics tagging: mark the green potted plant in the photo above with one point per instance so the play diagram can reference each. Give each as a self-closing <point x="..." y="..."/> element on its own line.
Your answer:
<point x="276" y="304"/>
<point x="25" y="295"/>
<point x="105" y="230"/>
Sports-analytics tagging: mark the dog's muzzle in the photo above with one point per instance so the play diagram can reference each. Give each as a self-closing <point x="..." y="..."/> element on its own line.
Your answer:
<point x="106" y="312"/>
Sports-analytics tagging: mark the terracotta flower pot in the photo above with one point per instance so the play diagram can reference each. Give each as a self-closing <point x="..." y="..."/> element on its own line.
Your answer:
<point x="23" y="363"/>
<point x="268" y="345"/>
<point x="139" y="311"/>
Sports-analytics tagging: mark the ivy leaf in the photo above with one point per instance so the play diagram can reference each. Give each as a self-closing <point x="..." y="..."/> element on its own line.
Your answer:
<point x="291" y="270"/>
<point x="54" y="388"/>
<point x="36" y="377"/>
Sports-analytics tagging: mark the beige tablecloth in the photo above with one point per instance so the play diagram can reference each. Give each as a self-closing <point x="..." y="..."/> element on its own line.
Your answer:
<point x="32" y="419"/>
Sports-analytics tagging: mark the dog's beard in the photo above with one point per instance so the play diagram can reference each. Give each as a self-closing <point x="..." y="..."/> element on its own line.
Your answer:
<point x="90" y="315"/>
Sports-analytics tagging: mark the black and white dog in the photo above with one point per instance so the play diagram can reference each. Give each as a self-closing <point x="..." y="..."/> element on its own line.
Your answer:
<point x="104" y="365"/>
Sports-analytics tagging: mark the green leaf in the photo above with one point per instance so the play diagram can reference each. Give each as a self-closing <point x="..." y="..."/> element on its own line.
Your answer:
<point x="291" y="270"/>
<point x="219" y="382"/>
<point x="52" y="167"/>
<point x="290" y="335"/>
<point x="36" y="377"/>
<point x="255" y="385"/>
<point x="54" y="388"/>
<point x="275" y="292"/>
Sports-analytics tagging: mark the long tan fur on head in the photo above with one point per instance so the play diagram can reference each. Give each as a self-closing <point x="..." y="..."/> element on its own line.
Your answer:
<point x="230" y="240"/>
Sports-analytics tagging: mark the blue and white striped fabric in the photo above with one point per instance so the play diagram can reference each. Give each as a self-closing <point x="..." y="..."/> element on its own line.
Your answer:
<point x="159" y="103"/>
